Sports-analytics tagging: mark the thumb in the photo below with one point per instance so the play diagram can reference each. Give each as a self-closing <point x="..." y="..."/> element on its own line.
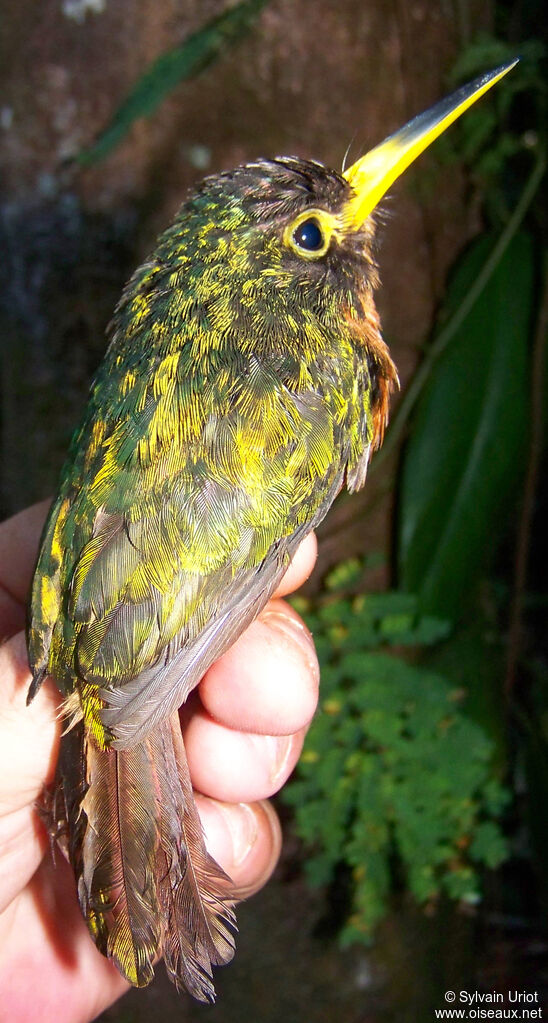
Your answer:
<point x="29" y="738"/>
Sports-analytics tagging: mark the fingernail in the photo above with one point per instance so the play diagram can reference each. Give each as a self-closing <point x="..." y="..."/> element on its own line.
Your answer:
<point x="265" y="819"/>
<point x="297" y="633"/>
<point x="278" y="749"/>
<point x="242" y="827"/>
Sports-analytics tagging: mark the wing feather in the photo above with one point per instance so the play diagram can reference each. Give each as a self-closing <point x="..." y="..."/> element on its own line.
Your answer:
<point x="176" y="547"/>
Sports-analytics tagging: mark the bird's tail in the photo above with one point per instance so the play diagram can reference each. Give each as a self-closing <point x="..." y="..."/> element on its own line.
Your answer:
<point x="146" y="884"/>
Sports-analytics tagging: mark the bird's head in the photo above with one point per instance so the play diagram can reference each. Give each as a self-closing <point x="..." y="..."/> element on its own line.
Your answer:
<point x="275" y="257"/>
<point x="294" y="231"/>
<point x="315" y="214"/>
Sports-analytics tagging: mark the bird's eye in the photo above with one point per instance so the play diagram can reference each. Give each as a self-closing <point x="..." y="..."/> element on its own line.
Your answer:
<point x="309" y="235"/>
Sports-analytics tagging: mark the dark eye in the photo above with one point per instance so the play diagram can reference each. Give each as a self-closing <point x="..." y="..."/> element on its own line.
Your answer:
<point x="309" y="235"/>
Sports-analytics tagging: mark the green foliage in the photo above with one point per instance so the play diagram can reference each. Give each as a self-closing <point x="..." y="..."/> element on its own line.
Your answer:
<point x="392" y="767"/>
<point x="170" y="69"/>
<point x="476" y="436"/>
<point x="469" y="434"/>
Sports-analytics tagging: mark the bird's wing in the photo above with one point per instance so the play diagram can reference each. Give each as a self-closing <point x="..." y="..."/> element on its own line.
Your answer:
<point x="132" y="708"/>
<point x="162" y="549"/>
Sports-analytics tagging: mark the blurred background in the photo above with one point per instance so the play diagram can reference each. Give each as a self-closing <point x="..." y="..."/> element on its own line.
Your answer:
<point x="415" y="856"/>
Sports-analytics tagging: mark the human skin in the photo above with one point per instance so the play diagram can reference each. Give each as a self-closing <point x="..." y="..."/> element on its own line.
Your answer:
<point x="243" y="728"/>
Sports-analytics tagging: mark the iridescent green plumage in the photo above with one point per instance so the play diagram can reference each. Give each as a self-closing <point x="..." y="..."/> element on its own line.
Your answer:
<point x="245" y="382"/>
<point x="234" y="397"/>
<point x="242" y="385"/>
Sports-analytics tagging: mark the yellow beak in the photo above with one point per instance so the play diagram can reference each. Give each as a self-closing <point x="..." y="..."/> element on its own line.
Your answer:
<point x="372" y="175"/>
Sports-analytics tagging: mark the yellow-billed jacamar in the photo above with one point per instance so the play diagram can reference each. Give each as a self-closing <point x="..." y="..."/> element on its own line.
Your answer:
<point x="245" y="383"/>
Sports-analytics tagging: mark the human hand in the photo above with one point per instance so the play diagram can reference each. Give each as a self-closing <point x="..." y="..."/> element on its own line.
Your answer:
<point x="243" y="730"/>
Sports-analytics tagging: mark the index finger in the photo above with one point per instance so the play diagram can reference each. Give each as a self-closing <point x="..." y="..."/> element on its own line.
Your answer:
<point x="301" y="566"/>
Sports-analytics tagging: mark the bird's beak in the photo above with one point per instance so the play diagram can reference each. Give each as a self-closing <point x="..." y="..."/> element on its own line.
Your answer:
<point x="372" y="175"/>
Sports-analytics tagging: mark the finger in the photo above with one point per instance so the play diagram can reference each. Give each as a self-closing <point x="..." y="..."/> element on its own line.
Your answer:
<point x="301" y="566"/>
<point x="268" y="681"/>
<point x="236" y="766"/>
<point x="73" y="979"/>
<point x="30" y="735"/>
<point x="23" y="842"/>
<point x="44" y="927"/>
<point x="244" y="838"/>
<point x="28" y="751"/>
<point x="19" y="540"/>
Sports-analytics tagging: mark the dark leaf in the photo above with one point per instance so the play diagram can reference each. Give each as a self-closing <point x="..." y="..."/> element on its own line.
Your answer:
<point x="465" y="455"/>
<point x="177" y="65"/>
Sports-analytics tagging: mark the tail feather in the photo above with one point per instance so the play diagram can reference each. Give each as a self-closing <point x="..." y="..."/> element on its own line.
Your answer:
<point x="146" y="883"/>
<point x="117" y="886"/>
<point x="194" y="891"/>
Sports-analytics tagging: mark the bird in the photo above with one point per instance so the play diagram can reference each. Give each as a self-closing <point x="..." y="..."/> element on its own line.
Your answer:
<point x="246" y="381"/>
